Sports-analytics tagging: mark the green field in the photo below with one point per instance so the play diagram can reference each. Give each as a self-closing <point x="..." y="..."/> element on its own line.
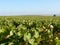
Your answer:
<point x="29" y="30"/>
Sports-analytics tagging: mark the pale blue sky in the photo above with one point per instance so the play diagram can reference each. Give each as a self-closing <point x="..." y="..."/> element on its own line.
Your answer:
<point x="23" y="7"/>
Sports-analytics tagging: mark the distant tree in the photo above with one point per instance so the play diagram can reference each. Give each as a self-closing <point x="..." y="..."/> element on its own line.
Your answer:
<point x="54" y="15"/>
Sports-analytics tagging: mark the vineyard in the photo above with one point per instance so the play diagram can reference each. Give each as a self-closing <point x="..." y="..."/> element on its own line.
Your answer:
<point x="29" y="30"/>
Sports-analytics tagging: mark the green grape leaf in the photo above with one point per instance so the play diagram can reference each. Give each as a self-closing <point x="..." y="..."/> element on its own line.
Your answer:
<point x="11" y="33"/>
<point x="27" y="36"/>
<point x="36" y="34"/>
<point x="31" y="41"/>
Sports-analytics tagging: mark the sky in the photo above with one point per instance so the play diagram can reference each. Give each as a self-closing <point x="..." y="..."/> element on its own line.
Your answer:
<point x="29" y="7"/>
